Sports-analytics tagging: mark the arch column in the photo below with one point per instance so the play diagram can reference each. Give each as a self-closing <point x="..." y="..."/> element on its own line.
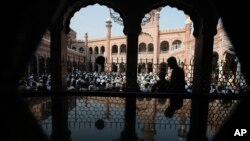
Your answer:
<point x="132" y="30"/>
<point x="58" y="53"/>
<point x="202" y="79"/>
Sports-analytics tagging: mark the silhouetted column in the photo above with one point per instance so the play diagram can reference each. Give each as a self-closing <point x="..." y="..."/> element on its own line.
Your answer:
<point x="201" y="82"/>
<point x="60" y="131"/>
<point x="132" y="31"/>
<point x="132" y="56"/>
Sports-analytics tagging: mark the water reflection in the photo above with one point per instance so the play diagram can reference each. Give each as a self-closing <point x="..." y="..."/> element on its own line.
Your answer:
<point x="103" y="118"/>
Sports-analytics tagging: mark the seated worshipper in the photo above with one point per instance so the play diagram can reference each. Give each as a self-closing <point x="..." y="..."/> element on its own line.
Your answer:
<point x="177" y="85"/>
<point x="161" y="85"/>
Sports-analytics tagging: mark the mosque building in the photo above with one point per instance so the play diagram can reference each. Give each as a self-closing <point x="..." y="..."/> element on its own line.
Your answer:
<point x="155" y="46"/>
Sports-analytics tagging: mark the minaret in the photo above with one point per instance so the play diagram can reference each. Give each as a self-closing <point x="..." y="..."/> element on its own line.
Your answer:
<point x="107" y="53"/>
<point x="86" y="41"/>
<point x="156" y="40"/>
<point x="86" y="46"/>
<point x="188" y="28"/>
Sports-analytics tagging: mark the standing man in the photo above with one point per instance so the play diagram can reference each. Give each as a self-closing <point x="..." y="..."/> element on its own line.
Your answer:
<point x="177" y="85"/>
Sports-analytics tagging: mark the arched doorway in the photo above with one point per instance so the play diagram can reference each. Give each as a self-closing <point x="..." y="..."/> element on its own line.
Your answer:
<point x="150" y="67"/>
<point x="215" y="68"/>
<point x="114" y="67"/>
<point x="122" y="67"/>
<point x="142" y="68"/>
<point x="229" y="66"/>
<point x="100" y="60"/>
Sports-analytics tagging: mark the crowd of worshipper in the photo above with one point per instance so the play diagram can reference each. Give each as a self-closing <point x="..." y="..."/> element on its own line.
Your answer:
<point x="112" y="81"/>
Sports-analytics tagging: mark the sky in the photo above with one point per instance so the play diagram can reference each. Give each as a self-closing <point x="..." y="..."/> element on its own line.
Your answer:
<point x="92" y="20"/>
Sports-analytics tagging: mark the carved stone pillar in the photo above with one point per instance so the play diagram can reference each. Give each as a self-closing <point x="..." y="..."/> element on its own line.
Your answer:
<point x="58" y="52"/>
<point x="132" y="30"/>
<point x="201" y="81"/>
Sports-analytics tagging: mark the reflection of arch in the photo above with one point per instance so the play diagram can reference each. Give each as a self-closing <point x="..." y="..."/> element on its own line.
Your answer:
<point x="150" y="67"/>
<point x="176" y="44"/>
<point x="142" y="48"/>
<point x="122" y="67"/>
<point x="96" y="50"/>
<point x="102" y="49"/>
<point x="114" y="49"/>
<point x="123" y="49"/>
<point x="114" y="67"/>
<point x="163" y="67"/>
<point x="74" y="48"/>
<point x="90" y="50"/>
<point x="150" y="48"/>
<point x="164" y="47"/>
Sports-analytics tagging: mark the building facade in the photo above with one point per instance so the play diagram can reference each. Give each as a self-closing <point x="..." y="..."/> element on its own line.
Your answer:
<point x="155" y="46"/>
<point x="76" y="54"/>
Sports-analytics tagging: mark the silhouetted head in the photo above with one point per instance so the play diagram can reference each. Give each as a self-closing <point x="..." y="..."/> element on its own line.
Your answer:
<point x="162" y="75"/>
<point x="172" y="63"/>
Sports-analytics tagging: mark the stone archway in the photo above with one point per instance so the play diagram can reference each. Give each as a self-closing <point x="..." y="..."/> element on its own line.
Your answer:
<point x="142" y="68"/>
<point x="215" y="67"/>
<point x="229" y="65"/>
<point x="122" y="67"/>
<point x="100" y="60"/>
<point x="150" y="67"/>
<point x="114" y="67"/>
